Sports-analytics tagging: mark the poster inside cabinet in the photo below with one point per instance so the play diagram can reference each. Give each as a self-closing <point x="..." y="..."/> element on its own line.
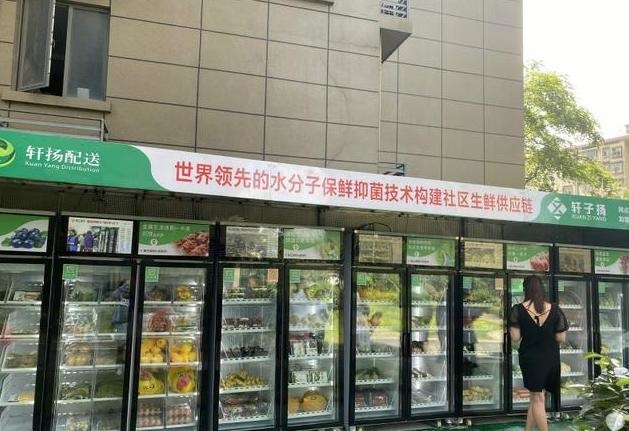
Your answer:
<point x="613" y="262"/>
<point x="577" y="260"/>
<point x="23" y="233"/>
<point x="312" y="244"/>
<point x="380" y="249"/>
<point x="254" y="242"/>
<point x="482" y="254"/>
<point x="174" y="239"/>
<point x="431" y="252"/>
<point x="528" y="257"/>
<point x="98" y="235"/>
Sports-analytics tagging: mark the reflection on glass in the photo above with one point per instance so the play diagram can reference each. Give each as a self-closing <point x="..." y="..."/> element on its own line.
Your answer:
<point x="520" y="395"/>
<point x="378" y="330"/>
<point x="248" y="342"/>
<point x="482" y="343"/>
<point x="610" y="300"/>
<point x="314" y="335"/>
<point x="574" y="370"/>
<point x="91" y="354"/>
<point x="169" y="351"/>
<point x="20" y="308"/>
<point x="429" y="343"/>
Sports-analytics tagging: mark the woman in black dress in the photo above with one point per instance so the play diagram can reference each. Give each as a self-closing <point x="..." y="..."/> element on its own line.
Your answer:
<point x="542" y="327"/>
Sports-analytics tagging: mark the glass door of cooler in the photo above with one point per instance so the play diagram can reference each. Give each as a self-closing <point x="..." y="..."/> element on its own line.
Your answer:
<point x="170" y="348"/>
<point x="91" y="350"/>
<point x="248" y="348"/>
<point x="430" y="371"/>
<point x="21" y="289"/>
<point x="379" y="326"/>
<point x="483" y="339"/>
<point x="519" y="394"/>
<point x="572" y="298"/>
<point x="610" y="317"/>
<point x="314" y="335"/>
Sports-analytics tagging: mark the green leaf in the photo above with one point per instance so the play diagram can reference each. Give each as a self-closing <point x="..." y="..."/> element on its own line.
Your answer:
<point x="623" y="382"/>
<point x="592" y="355"/>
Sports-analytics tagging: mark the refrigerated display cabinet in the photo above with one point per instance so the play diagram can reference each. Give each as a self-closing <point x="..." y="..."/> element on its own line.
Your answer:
<point x="314" y="343"/>
<point x="168" y="387"/>
<point x="430" y="368"/>
<point x="89" y="390"/>
<point x="572" y="294"/>
<point x="613" y="318"/>
<point x="482" y="343"/>
<point x="248" y="372"/>
<point x="378" y="329"/>
<point x="21" y="296"/>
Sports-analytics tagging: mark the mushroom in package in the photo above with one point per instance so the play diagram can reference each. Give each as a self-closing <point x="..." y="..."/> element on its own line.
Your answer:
<point x="158" y="321"/>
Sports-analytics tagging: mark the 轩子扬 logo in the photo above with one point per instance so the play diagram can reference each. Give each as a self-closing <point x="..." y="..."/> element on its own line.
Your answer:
<point x="557" y="208"/>
<point x="7" y="153"/>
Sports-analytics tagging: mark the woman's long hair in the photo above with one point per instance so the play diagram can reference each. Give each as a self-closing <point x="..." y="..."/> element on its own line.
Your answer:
<point x="534" y="292"/>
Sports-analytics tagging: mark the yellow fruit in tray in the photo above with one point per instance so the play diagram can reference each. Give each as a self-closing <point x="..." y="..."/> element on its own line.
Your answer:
<point x="176" y="357"/>
<point x="183" y="293"/>
<point x="150" y="384"/>
<point x="182" y="380"/>
<point x="162" y="343"/>
<point x="314" y="401"/>
<point x="293" y="405"/>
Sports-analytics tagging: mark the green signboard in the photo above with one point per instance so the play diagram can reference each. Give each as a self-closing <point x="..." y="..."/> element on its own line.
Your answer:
<point x="294" y="276"/>
<point x="312" y="244"/>
<point x="23" y="233"/>
<point x="70" y="160"/>
<point x="614" y="262"/>
<point x="517" y="286"/>
<point x="384" y="249"/>
<point x="361" y="279"/>
<point x="70" y="272"/>
<point x="528" y="257"/>
<point x="151" y="274"/>
<point x="229" y="275"/>
<point x="174" y="239"/>
<point x="430" y="251"/>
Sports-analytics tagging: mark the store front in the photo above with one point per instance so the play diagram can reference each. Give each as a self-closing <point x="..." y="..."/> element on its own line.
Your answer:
<point x="145" y="288"/>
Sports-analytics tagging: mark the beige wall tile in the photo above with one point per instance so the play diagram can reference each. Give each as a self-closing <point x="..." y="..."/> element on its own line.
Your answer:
<point x="32" y="113"/>
<point x="432" y="5"/>
<point x="462" y="58"/>
<point x="295" y="25"/>
<point x="295" y="100"/>
<point x="421" y="81"/>
<point x="354" y="71"/>
<point x="352" y="143"/>
<point x="319" y="163"/>
<point x="503" y="38"/>
<point x="231" y="91"/>
<point x="182" y="12"/>
<point x="369" y="9"/>
<point x="6" y="63"/>
<point x="503" y="65"/>
<point x="387" y="157"/>
<point x="504" y="12"/>
<point x="503" y="92"/>
<point x="295" y="138"/>
<point x="421" y="111"/>
<point x="354" y="35"/>
<point x="3" y="104"/>
<point x="421" y="166"/>
<point x="133" y="79"/>
<point x="388" y="109"/>
<point x="463" y="171"/>
<point x="463" y="31"/>
<point x="321" y="6"/>
<point x="503" y="175"/>
<point x="298" y="63"/>
<point x="419" y="140"/>
<point x="8" y="18"/>
<point x="56" y="110"/>
<point x="465" y="116"/>
<point x="421" y="52"/>
<point x="463" y="86"/>
<point x="504" y="149"/>
<point x="426" y="24"/>
<point x="151" y="122"/>
<point x="354" y="167"/>
<point x="233" y="53"/>
<point x="388" y="136"/>
<point x="153" y="42"/>
<point x="460" y="144"/>
<point x="389" y="76"/>
<point x="464" y="8"/>
<point x="243" y="17"/>
<point x="231" y="153"/>
<point x="504" y="121"/>
<point x="353" y="107"/>
<point x="230" y="131"/>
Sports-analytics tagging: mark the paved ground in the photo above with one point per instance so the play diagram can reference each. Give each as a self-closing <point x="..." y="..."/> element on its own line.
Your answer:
<point x="518" y="426"/>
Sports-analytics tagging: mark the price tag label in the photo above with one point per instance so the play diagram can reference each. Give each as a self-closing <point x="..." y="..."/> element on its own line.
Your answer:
<point x="415" y="280"/>
<point x="70" y="272"/>
<point x="467" y="283"/>
<point x="361" y="279"/>
<point x="517" y="286"/>
<point x="500" y="284"/>
<point x="295" y="276"/>
<point x="228" y="275"/>
<point x="272" y="275"/>
<point x="151" y="274"/>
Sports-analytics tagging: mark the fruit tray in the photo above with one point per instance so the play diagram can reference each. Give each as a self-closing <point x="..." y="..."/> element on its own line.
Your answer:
<point x="18" y="389"/>
<point x="22" y="324"/>
<point x="20" y="356"/>
<point x="16" y="419"/>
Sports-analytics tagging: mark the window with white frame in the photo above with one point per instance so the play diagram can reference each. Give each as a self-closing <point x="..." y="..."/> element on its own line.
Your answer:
<point x="590" y="154"/>
<point x="63" y="49"/>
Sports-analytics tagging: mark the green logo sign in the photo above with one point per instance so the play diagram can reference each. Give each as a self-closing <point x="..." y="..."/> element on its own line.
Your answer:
<point x="151" y="274"/>
<point x="557" y="208"/>
<point x="70" y="272"/>
<point x="229" y="275"/>
<point x="7" y="153"/>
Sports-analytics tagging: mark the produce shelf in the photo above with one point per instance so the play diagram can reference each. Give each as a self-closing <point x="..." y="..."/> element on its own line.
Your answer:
<point x="245" y="360"/>
<point x="311" y="302"/>
<point x="246" y="330"/>
<point x="428" y="405"/>
<point x="368" y="302"/>
<point x="428" y="355"/>
<point x="475" y="378"/>
<point x="428" y="304"/>
<point x="479" y="305"/>
<point x="306" y="329"/>
<point x="429" y="328"/>
<point x="374" y="382"/>
<point x="167" y="303"/>
<point x="247" y="302"/>
<point x="376" y="328"/>
<point x="375" y="355"/>
<point x="520" y="400"/>
<point x="571" y="306"/>
<point x="160" y="396"/>
<point x="571" y="351"/>
<point x="610" y="308"/>
<point x="573" y="374"/>
<point x="373" y="409"/>
<point x="309" y="358"/>
<point x="244" y="390"/>
<point x="611" y="329"/>
<point x="245" y="419"/>
<point x="310" y="414"/>
<point x="310" y="385"/>
<point x="429" y="379"/>
<point x="478" y="403"/>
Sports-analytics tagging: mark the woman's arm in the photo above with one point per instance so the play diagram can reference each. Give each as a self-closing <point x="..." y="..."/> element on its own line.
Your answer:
<point x="514" y="332"/>
<point x="560" y="337"/>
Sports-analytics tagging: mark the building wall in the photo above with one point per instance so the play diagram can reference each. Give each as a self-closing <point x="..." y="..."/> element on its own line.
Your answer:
<point x="301" y="81"/>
